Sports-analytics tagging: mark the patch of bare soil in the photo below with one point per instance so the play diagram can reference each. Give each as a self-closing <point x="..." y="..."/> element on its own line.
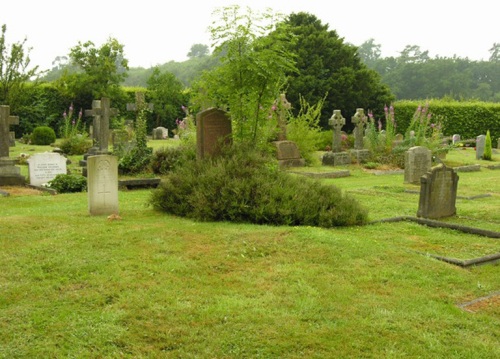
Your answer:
<point x="20" y="191"/>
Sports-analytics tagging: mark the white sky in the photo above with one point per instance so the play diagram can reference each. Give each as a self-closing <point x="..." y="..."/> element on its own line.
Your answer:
<point x="154" y="32"/>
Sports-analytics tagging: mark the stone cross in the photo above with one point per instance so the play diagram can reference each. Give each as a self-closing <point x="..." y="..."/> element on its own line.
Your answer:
<point x="104" y="112"/>
<point x="284" y="105"/>
<point x="5" y="121"/>
<point x="337" y="121"/>
<point x="96" y="121"/>
<point x="140" y="102"/>
<point x="359" y="119"/>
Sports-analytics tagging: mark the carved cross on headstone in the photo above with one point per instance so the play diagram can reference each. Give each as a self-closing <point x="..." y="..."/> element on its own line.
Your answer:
<point x="284" y="106"/>
<point x="337" y="121"/>
<point x="104" y="112"/>
<point x="5" y="121"/>
<point x="359" y="119"/>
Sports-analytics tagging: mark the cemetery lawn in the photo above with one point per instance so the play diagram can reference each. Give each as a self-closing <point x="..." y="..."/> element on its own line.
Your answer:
<point x="151" y="285"/>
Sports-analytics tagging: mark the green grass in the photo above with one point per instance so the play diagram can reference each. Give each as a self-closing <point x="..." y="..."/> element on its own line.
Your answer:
<point x="157" y="286"/>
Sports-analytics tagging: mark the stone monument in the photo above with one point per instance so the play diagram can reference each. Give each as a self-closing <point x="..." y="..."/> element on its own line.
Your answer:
<point x="44" y="167"/>
<point x="10" y="175"/>
<point x="102" y="184"/>
<point x="213" y="130"/>
<point x="418" y="161"/>
<point x="336" y="157"/>
<point x="359" y="120"/>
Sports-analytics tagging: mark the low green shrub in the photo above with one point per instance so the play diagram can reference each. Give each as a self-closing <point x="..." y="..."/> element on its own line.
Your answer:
<point x="68" y="183"/>
<point x="76" y="145"/>
<point x="244" y="185"/>
<point x="43" y="136"/>
<point x="165" y="159"/>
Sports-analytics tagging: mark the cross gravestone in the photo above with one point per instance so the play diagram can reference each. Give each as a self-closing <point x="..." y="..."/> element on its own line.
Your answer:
<point x="213" y="130"/>
<point x="102" y="184"/>
<point x="44" y="167"/>
<point x="12" y="140"/>
<point x="480" y="143"/>
<point x="359" y="120"/>
<point x="140" y="102"/>
<point x="101" y="113"/>
<point x="418" y="161"/>
<point x="9" y="173"/>
<point x="438" y="193"/>
<point x="337" y="156"/>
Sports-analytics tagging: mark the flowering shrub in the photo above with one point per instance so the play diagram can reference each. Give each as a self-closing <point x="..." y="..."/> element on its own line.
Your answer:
<point x="75" y="139"/>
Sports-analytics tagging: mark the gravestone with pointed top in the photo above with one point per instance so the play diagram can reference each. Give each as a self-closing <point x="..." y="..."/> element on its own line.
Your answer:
<point x="9" y="173"/>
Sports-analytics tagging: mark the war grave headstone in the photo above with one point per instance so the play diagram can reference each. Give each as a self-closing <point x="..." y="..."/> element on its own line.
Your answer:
<point x="480" y="143"/>
<point x="287" y="152"/>
<point x="455" y="139"/>
<point x="336" y="157"/>
<point x="359" y="120"/>
<point x="213" y="130"/>
<point x="102" y="184"/>
<point x="438" y="193"/>
<point x="10" y="175"/>
<point x="418" y="161"/>
<point x="44" y="167"/>
<point x="101" y="112"/>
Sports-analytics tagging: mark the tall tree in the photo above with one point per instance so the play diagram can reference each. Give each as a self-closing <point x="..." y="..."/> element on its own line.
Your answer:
<point x="14" y="69"/>
<point x="369" y="52"/>
<point x="167" y="96"/>
<point x="328" y="66"/>
<point x="252" y="70"/>
<point x="198" y="50"/>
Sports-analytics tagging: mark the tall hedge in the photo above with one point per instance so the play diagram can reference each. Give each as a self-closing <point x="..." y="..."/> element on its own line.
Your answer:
<point x="468" y="119"/>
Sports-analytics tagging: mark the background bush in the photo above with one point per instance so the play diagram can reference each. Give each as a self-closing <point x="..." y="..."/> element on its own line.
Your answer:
<point x="68" y="183"/>
<point x="43" y="136"/>
<point x="244" y="185"/>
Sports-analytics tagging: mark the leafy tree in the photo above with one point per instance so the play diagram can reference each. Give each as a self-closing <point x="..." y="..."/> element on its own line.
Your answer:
<point x="101" y="69"/>
<point x="251" y="75"/>
<point x="495" y="52"/>
<point x="369" y="52"/>
<point x="166" y="93"/>
<point x="198" y="50"/>
<point x="329" y="67"/>
<point x="413" y="54"/>
<point x="14" y="70"/>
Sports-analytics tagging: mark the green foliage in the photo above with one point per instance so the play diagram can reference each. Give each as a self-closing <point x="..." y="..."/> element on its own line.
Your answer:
<point x="14" y="69"/>
<point x="327" y="65"/>
<point x="487" y="147"/>
<point x="304" y="129"/>
<point x="166" y="159"/>
<point x="43" y="135"/>
<point x="167" y="96"/>
<point x="78" y="144"/>
<point x="243" y="185"/>
<point x="68" y="183"/>
<point x="252" y="72"/>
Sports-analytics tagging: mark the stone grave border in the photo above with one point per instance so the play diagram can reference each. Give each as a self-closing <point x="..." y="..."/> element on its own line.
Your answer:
<point x="488" y="259"/>
<point x="477" y="300"/>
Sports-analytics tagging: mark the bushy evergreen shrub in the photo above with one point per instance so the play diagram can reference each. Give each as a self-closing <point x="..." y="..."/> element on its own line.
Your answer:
<point x="43" y="136"/>
<point x="68" y="183"/>
<point x="165" y="159"/>
<point x="488" y="151"/>
<point x="244" y="185"/>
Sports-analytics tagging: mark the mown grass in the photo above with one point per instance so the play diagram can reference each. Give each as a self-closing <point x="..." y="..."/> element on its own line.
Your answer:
<point x="157" y="286"/>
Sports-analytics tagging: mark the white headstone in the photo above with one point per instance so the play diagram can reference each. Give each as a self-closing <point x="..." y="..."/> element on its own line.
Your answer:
<point x="44" y="167"/>
<point x="480" y="143"/>
<point x="102" y="184"/>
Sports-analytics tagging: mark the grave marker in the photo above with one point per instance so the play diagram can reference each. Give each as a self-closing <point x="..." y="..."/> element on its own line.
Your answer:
<point x="418" y="161"/>
<point x="104" y="112"/>
<point x="9" y="173"/>
<point x="480" y="143"/>
<point x="102" y="184"/>
<point x="438" y="193"/>
<point x="213" y="129"/>
<point x="44" y="167"/>
<point x="337" y="156"/>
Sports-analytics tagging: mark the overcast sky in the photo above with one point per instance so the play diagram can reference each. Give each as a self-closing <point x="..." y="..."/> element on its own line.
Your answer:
<point x="154" y="31"/>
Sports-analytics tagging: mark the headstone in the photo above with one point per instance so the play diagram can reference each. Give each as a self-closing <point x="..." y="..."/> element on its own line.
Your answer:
<point x="44" y="167"/>
<point x="438" y="193"/>
<point x="418" y="161"/>
<point x="283" y="108"/>
<point x="102" y="184"/>
<point x="455" y="139"/>
<point x="101" y="110"/>
<point x="140" y="101"/>
<point x="9" y="173"/>
<point x="213" y="130"/>
<point x="337" y="157"/>
<point x="160" y="133"/>
<point x="12" y="142"/>
<point x="288" y="154"/>
<point x="480" y="143"/>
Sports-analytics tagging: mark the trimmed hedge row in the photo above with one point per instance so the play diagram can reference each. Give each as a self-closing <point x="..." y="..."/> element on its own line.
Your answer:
<point x="468" y="119"/>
